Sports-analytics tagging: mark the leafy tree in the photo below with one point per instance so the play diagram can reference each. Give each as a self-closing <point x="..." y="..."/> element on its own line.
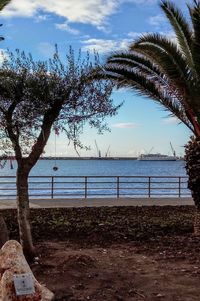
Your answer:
<point x="3" y="227"/>
<point x="36" y="96"/>
<point x="168" y="72"/>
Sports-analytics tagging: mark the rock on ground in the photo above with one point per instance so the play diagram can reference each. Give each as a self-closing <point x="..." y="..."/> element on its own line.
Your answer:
<point x="12" y="261"/>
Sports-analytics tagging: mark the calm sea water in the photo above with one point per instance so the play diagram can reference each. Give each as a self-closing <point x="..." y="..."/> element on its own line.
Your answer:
<point x="102" y="168"/>
<point x="68" y="187"/>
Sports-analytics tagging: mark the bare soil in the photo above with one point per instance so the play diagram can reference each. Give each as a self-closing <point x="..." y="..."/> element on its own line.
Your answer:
<point x="125" y="271"/>
<point x="118" y="253"/>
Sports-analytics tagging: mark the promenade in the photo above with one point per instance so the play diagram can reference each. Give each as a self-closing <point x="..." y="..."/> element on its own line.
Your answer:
<point x="98" y="202"/>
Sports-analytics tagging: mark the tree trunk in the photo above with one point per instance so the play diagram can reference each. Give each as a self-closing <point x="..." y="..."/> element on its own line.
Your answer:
<point x="3" y="231"/>
<point x="23" y="213"/>
<point x="192" y="156"/>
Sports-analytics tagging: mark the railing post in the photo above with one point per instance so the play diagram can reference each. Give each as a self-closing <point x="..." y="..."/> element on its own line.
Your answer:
<point x="149" y="187"/>
<point x="118" y="187"/>
<point x="86" y="180"/>
<point x="52" y="187"/>
<point x="179" y="187"/>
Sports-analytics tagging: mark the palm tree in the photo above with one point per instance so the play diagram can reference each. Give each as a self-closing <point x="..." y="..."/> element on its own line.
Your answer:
<point x="168" y="71"/>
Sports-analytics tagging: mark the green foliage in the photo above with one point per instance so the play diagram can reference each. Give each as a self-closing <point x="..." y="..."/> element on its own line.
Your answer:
<point x="35" y="96"/>
<point x="106" y="224"/>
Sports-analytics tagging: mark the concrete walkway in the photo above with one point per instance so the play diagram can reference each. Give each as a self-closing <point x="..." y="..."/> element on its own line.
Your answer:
<point x="98" y="202"/>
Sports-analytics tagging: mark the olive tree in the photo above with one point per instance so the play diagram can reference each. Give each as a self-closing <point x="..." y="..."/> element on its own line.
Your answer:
<point x="36" y="96"/>
<point x="3" y="228"/>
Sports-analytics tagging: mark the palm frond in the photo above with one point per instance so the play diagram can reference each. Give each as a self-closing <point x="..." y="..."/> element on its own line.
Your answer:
<point x="146" y="87"/>
<point x="134" y="60"/>
<point x="195" y="18"/>
<point x="3" y="3"/>
<point x="182" y="30"/>
<point x="163" y="52"/>
<point x="167" y="56"/>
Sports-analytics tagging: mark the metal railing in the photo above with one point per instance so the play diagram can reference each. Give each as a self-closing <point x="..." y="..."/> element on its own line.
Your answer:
<point x="98" y="186"/>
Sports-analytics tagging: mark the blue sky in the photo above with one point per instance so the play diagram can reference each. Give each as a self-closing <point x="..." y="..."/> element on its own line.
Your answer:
<point x="105" y="25"/>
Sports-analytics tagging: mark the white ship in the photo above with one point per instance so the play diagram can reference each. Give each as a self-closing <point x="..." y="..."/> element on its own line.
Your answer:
<point x="156" y="157"/>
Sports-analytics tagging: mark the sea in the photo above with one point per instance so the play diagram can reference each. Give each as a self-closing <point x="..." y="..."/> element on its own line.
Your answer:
<point x="98" y="178"/>
<point x="102" y="168"/>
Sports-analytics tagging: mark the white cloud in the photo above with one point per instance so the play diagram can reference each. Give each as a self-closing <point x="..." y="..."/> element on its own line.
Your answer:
<point x="171" y="120"/>
<point x="125" y="125"/>
<point x="41" y="18"/>
<point x="65" y="27"/>
<point x="105" y="29"/>
<point x="104" y="46"/>
<point x="156" y="20"/>
<point x="92" y="12"/>
<point x="20" y="8"/>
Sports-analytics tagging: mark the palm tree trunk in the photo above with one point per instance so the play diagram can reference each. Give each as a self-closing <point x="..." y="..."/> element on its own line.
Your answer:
<point x="3" y="231"/>
<point x="23" y="213"/>
<point x="192" y="156"/>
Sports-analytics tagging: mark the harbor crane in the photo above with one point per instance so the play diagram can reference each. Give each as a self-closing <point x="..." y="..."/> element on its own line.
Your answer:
<point x="107" y="152"/>
<point x="98" y="150"/>
<point x="173" y="150"/>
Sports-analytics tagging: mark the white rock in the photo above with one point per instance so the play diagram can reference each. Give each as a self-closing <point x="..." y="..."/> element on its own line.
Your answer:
<point x="12" y="261"/>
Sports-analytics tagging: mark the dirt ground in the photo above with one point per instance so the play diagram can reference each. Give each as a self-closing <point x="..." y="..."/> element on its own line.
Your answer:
<point x="115" y="253"/>
<point x="159" y="270"/>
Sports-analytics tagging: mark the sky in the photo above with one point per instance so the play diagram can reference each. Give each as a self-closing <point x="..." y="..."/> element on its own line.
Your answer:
<point x="104" y="25"/>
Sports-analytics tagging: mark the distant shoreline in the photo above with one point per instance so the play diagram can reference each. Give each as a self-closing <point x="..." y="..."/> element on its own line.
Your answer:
<point x="88" y="158"/>
<point x="103" y="158"/>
